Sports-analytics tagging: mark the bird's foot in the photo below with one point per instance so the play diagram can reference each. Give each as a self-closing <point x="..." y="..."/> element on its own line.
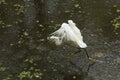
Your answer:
<point x="91" y="59"/>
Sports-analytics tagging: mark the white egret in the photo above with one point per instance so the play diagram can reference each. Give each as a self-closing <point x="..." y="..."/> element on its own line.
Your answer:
<point x="69" y="33"/>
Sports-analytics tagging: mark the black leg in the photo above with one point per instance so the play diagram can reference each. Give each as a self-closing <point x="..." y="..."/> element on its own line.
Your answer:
<point x="74" y="54"/>
<point x="89" y="58"/>
<point x="86" y="53"/>
<point x="78" y="51"/>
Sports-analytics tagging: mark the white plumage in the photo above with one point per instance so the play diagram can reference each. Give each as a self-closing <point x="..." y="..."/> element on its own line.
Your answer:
<point x="68" y="33"/>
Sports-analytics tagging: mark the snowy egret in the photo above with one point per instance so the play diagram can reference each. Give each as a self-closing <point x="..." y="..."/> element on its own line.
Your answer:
<point x="69" y="33"/>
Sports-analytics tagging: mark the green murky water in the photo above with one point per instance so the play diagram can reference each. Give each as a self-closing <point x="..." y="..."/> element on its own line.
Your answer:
<point x="25" y="53"/>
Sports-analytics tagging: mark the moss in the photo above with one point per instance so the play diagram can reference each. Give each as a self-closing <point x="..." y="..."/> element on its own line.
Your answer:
<point x="67" y="11"/>
<point x="74" y="77"/>
<point x="24" y="74"/>
<point x="2" y="69"/>
<point x="116" y="23"/>
<point x="29" y="60"/>
<point x="7" y="78"/>
<point x="2" y="1"/>
<point x="118" y="10"/>
<point x="76" y="5"/>
<point x="25" y="33"/>
<point x="19" y="8"/>
<point x="29" y="73"/>
<point x="20" y="41"/>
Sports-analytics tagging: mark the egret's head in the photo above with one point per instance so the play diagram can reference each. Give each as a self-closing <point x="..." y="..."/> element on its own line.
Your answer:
<point x="64" y="27"/>
<point x="70" y="22"/>
<point x="64" y="24"/>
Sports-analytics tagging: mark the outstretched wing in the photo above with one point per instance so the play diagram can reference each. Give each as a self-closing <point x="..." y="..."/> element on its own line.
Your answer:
<point x="63" y="34"/>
